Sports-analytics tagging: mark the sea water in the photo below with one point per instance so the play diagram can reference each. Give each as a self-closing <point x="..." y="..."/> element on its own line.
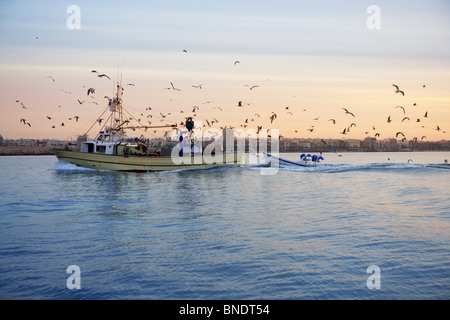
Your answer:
<point x="358" y="226"/>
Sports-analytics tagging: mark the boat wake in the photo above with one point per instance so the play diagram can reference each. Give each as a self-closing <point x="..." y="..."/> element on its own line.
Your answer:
<point x="335" y="168"/>
<point x="63" y="166"/>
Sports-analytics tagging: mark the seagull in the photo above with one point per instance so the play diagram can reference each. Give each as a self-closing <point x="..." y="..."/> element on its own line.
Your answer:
<point x="76" y="118"/>
<point x="198" y="87"/>
<point x="377" y="134"/>
<point x="398" y="90"/>
<point x="334" y="121"/>
<point x="100" y="75"/>
<point x="402" y="108"/>
<point x="240" y="104"/>
<point x="251" y="88"/>
<point x="400" y="133"/>
<point x="23" y="120"/>
<point x="80" y="102"/>
<point x="236" y="62"/>
<point x="272" y="117"/>
<point x="426" y="115"/>
<point x="405" y="118"/>
<point x="173" y="87"/>
<point x="346" y="111"/>
<point x="130" y="84"/>
<point x="91" y="90"/>
<point x="437" y="128"/>
<point x="49" y="118"/>
<point x="51" y="78"/>
<point x="389" y="120"/>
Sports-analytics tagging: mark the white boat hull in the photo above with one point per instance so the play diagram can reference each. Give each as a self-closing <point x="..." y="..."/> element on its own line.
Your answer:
<point x="302" y="163"/>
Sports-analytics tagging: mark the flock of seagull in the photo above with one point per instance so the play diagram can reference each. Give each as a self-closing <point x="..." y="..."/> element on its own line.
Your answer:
<point x="90" y="92"/>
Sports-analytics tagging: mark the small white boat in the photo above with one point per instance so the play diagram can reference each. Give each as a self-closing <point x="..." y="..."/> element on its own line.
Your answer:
<point x="306" y="160"/>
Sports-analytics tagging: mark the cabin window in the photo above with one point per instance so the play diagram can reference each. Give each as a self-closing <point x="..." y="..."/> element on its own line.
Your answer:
<point x="87" y="147"/>
<point x="100" y="149"/>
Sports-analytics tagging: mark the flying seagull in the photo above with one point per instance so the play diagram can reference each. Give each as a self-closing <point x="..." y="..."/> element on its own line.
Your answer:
<point x="346" y="111"/>
<point x="402" y="108"/>
<point x="103" y="75"/>
<point x="252" y="87"/>
<point x="100" y="75"/>
<point x="398" y="90"/>
<point x="173" y="87"/>
<point x="90" y="90"/>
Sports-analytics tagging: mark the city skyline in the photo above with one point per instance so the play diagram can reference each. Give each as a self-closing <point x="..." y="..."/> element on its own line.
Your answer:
<point x="309" y="60"/>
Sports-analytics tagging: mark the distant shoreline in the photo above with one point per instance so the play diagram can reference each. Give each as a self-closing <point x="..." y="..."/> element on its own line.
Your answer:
<point x="25" y="151"/>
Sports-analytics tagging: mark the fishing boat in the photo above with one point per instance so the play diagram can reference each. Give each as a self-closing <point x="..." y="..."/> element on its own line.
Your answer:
<point x="306" y="160"/>
<point x="112" y="149"/>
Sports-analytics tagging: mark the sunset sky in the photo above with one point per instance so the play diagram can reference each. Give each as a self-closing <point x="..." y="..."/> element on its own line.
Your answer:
<point x="312" y="57"/>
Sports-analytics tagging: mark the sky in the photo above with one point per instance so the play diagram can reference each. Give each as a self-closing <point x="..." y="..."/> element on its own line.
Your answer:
<point x="308" y="59"/>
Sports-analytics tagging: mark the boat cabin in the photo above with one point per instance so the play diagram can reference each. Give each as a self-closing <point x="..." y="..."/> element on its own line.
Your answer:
<point x="109" y="142"/>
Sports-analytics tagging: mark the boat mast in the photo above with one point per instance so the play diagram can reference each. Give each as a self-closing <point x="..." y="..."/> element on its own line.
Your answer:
<point x="116" y="108"/>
